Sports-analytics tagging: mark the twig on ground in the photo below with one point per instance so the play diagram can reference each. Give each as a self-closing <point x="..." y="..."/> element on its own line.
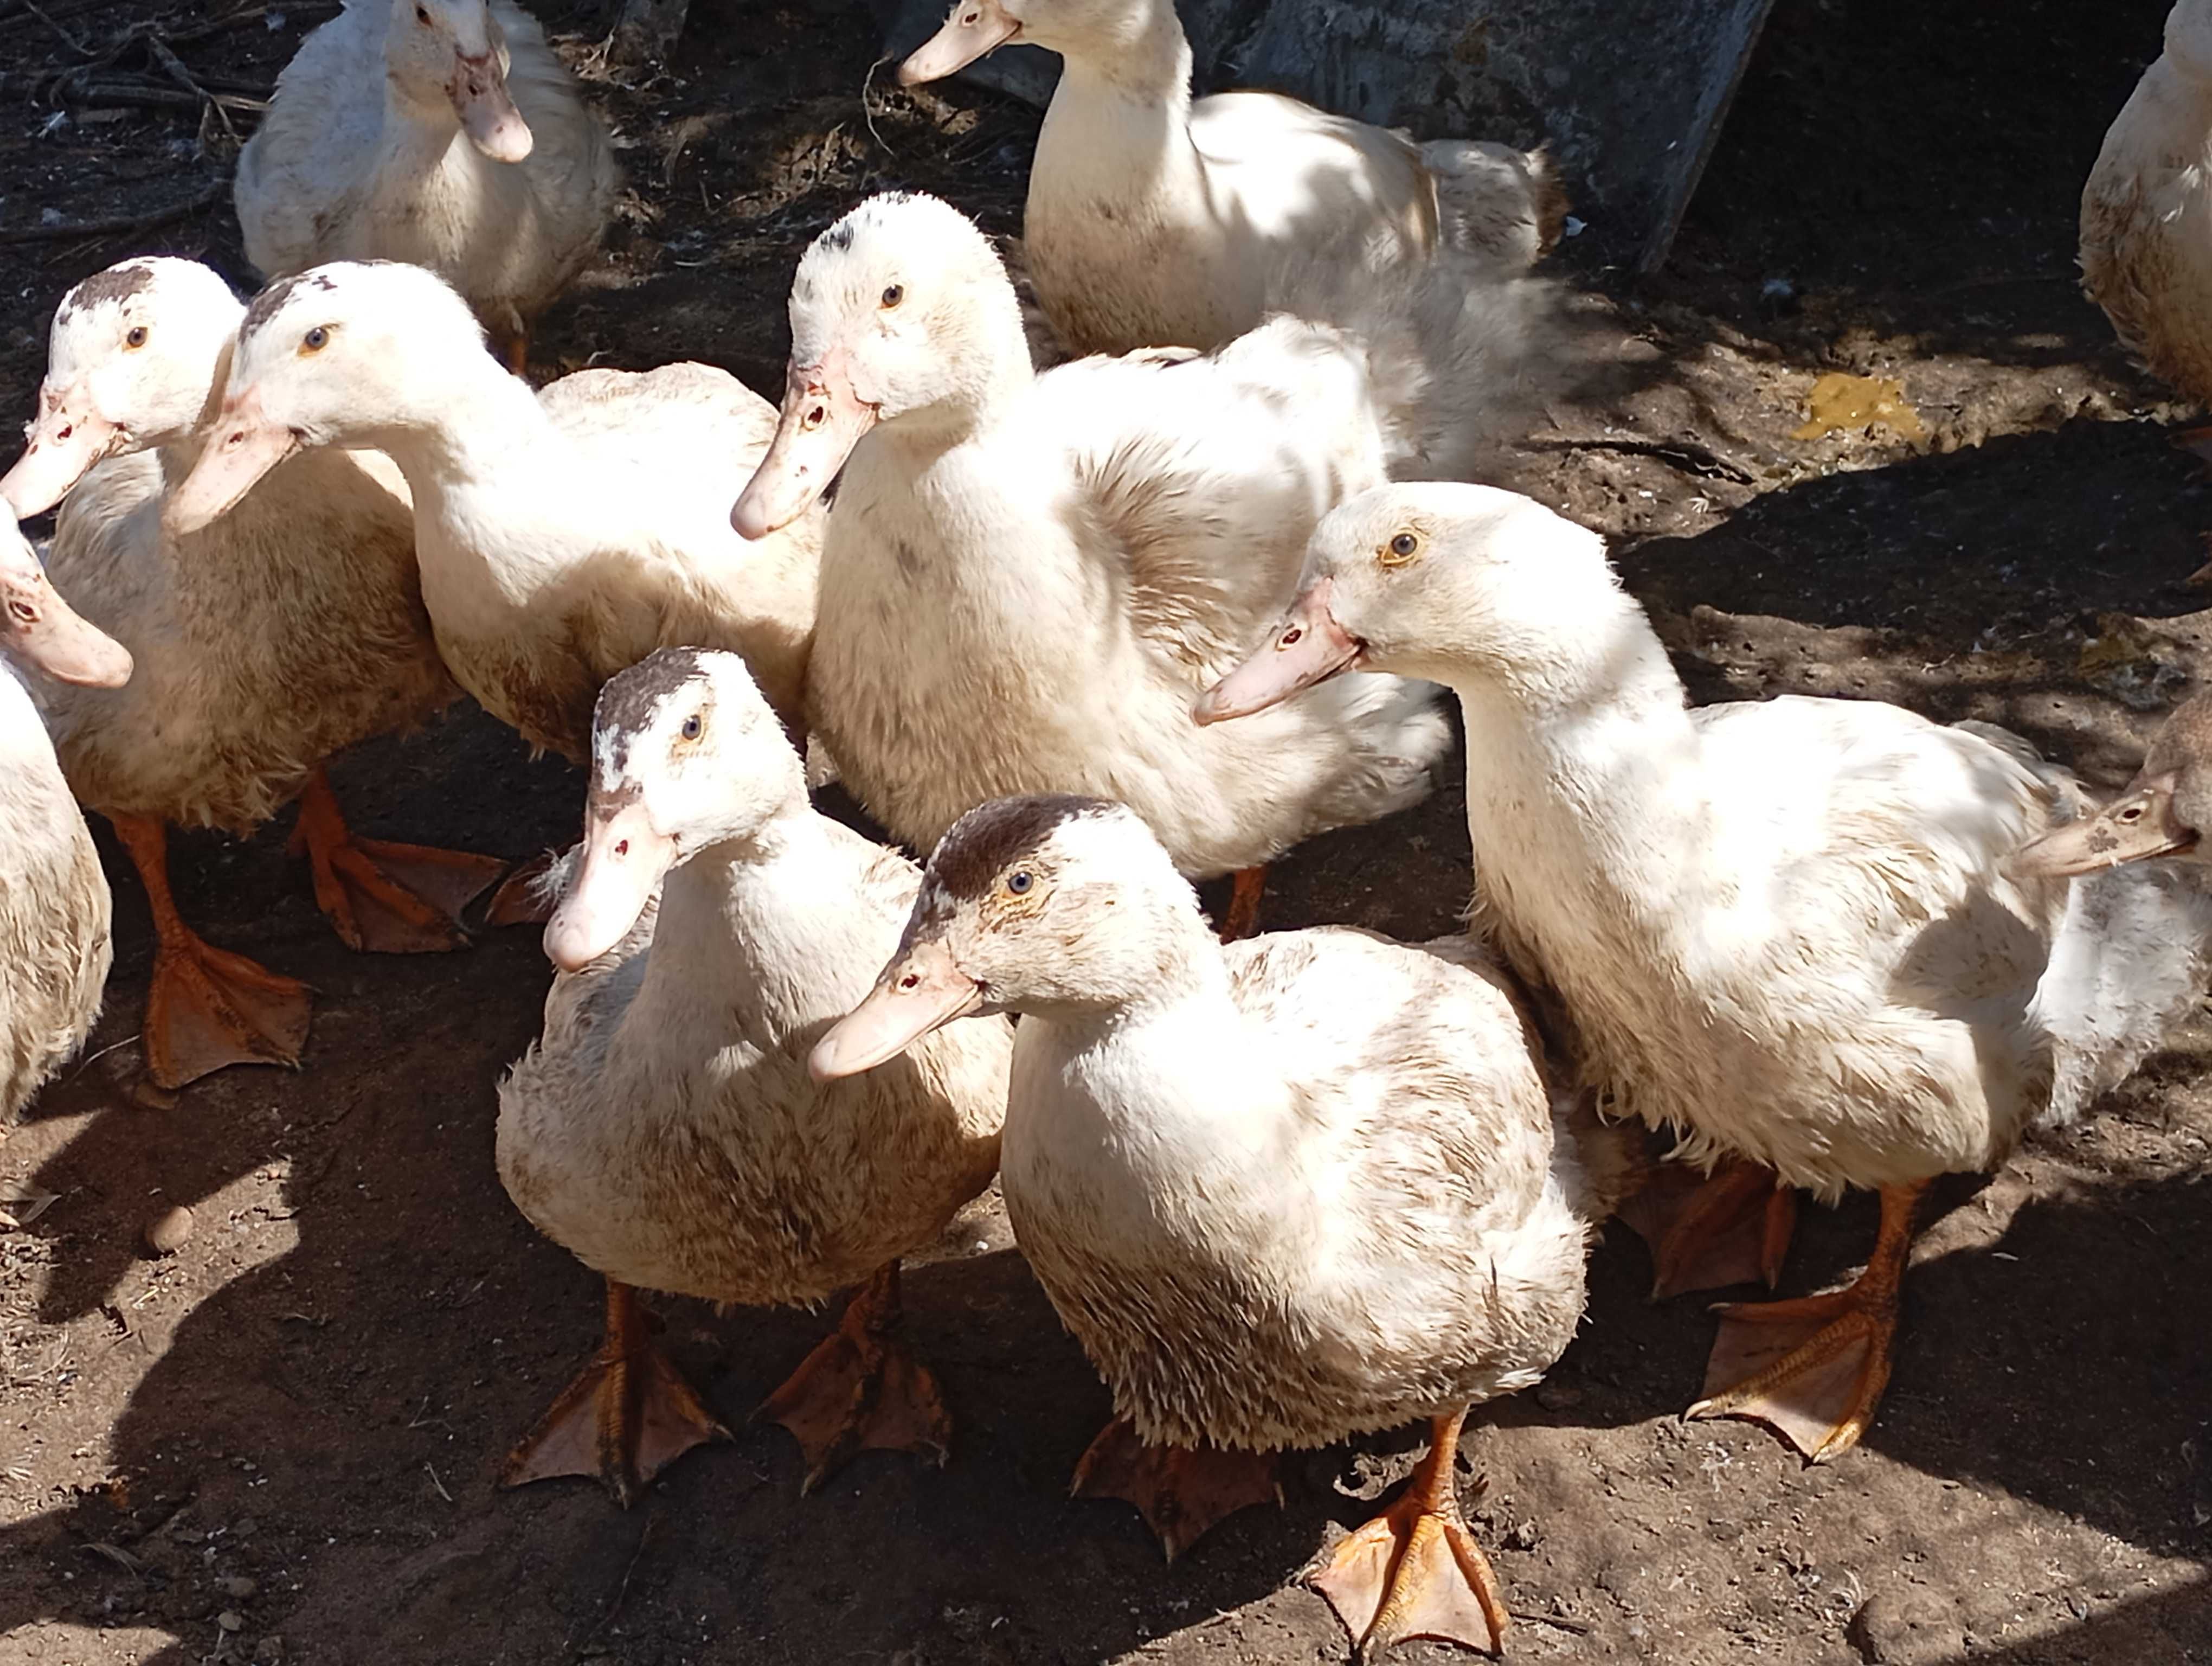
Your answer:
<point x="1685" y="454"/>
<point x="47" y="18"/>
<point x="121" y="227"/>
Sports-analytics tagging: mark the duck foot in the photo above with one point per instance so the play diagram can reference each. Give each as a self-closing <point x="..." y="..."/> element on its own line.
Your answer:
<point x="625" y="1417"/>
<point x="1706" y="1233"/>
<point x="1415" y="1570"/>
<point x="1180" y="1491"/>
<point x="862" y="1389"/>
<point x="207" y="1008"/>
<point x="1242" y="918"/>
<point x="382" y="898"/>
<point x="1814" y="1369"/>
<point x="521" y="898"/>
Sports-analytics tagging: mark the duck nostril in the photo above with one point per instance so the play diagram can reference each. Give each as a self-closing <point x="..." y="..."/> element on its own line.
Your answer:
<point x="910" y="981"/>
<point x="623" y="848"/>
<point x="1292" y="635"/>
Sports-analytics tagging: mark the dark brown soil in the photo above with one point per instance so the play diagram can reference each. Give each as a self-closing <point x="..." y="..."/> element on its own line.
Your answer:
<point x="281" y="1442"/>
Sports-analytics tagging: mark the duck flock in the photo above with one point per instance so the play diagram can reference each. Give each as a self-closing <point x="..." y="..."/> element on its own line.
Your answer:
<point x="1204" y="586"/>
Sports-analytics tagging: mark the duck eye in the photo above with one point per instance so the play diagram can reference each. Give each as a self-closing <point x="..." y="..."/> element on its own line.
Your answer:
<point x="894" y="295"/>
<point x="136" y="337"/>
<point x="1019" y="881"/>
<point x="422" y="15"/>
<point x="315" y="340"/>
<point x="1402" y="548"/>
<point x="692" y="726"/>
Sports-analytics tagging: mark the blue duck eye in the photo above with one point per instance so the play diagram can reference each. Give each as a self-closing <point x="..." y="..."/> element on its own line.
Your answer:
<point x="1019" y="881"/>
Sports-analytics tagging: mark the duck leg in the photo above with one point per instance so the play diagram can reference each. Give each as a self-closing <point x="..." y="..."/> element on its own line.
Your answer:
<point x="625" y="1417"/>
<point x="862" y="1388"/>
<point x="1242" y="918"/>
<point x="1814" y="1369"/>
<point x="1730" y="1227"/>
<point x="521" y="899"/>
<point x="384" y="897"/>
<point x="207" y="1008"/>
<point x="1415" y="1570"/>
<point x="1180" y="1491"/>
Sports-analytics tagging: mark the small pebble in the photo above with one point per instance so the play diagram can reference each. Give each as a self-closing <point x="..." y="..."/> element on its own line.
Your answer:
<point x="165" y="1233"/>
<point x="239" y="1585"/>
<point x="231" y="1620"/>
<point x="270" y="1648"/>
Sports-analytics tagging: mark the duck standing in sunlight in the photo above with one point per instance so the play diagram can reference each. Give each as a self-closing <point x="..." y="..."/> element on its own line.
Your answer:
<point x="1154" y="220"/>
<point x="55" y="948"/>
<point x="1785" y="929"/>
<point x="2146" y="215"/>
<point x="265" y="646"/>
<point x="563" y="535"/>
<point x="666" y="1130"/>
<point x="1283" y="1191"/>
<point x="1025" y="579"/>
<point x="441" y="132"/>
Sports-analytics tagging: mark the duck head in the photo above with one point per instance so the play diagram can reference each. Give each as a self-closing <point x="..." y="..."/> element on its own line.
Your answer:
<point x="1095" y="30"/>
<point x="333" y="355"/>
<point x="1052" y="906"/>
<point x="1438" y="580"/>
<point x="685" y="755"/>
<point x="38" y="630"/>
<point x="2164" y="811"/>
<point x="132" y="359"/>
<point x="440" y="52"/>
<point x="900" y="312"/>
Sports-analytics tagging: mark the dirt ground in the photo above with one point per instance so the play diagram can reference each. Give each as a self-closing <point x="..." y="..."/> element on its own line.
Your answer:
<point x="280" y="1442"/>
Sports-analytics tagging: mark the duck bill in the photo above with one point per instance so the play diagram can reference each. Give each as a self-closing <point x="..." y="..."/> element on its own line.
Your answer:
<point x="1309" y="646"/>
<point x="822" y="419"/>
<point x="975" y="27"/>
<point x="245" y="446"/>
<point x="494" y="126"/>
<point x="61" y="447"/>
<point x="923" y="990"/>
<point x="38" y="628"/>
<point x="2135" y="828"/>
<point x="619" y="867"/>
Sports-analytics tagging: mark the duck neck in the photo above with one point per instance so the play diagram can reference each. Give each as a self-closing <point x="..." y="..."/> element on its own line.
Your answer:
<point x="1588" y="806"/>
<point x="1122" y="112"/>
<point x="750" y="928"/>
<point x="421" y="133"/>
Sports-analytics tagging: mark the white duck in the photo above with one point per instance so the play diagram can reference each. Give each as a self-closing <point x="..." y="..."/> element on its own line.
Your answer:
<point x="1283" y="1191"/>
<point x="54" y="944"/>
<point x="666" y="1129"/>
<point x="563" y="535"/>
<point x="1153" y="220"/>
<point x="1783" y="929"/>
<point x="263" y="645"/>
<point x="442" y="132"/>
<point x="2147" y="213"/>
<point x="1026" y="578"/>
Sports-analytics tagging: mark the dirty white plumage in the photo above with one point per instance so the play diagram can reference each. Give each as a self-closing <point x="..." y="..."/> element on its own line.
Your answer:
<point x="2147" y="210"/>
<point x="664" y="1129"/>
<point x="1026" y="578"/>
<point x="364" y="154"/>
<point x="1784" y="928"/>
<point x="561" y="536"/>
<point x="266" y="643"/>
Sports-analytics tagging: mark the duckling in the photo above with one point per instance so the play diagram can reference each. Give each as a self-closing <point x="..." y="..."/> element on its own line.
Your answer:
<point x="2146" y="258"/>
<point x="1785" y="929"/>
<point x="1026" y="578"/>
<point x="1283" y="1191"/>
<point x="442" y="132"/>
<point x="664" y="1129"/>
<point x="55" y="949"/>
<point x="561" y="536"/>
<point x="265" y="646"/>
<point x="1154" y="220"/>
